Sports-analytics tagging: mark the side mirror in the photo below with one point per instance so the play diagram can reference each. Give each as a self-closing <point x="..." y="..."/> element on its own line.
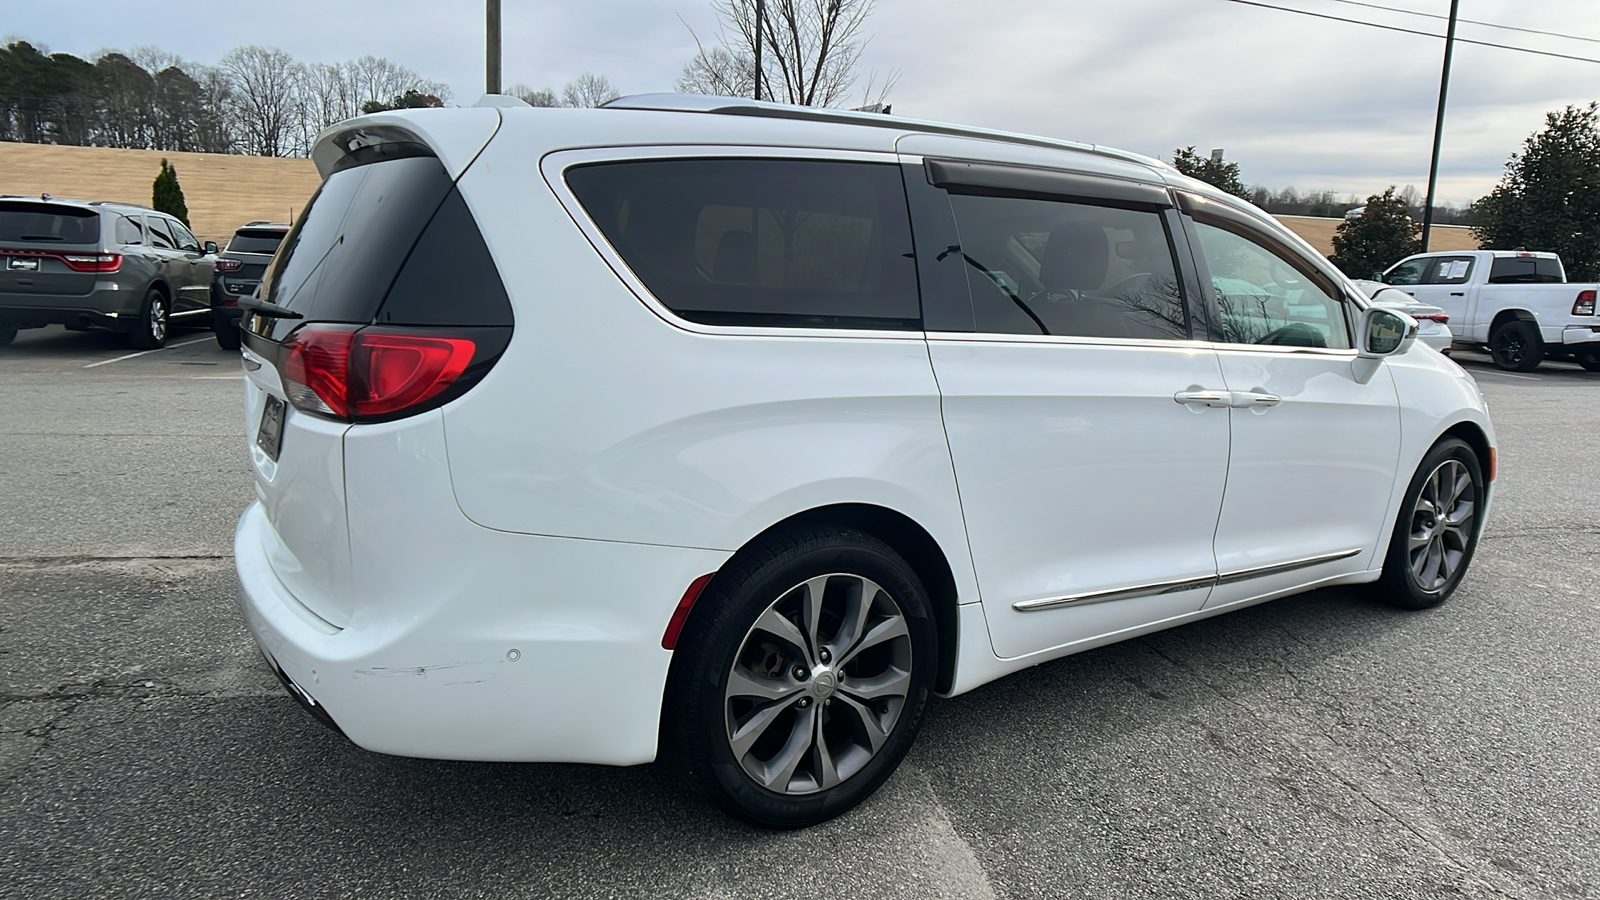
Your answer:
<point x="1385" y="332"/>
<point x="211" y="248"/>
<point x="1377" y="276"/>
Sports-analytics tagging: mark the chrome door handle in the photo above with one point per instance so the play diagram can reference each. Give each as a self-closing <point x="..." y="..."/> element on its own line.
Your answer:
<point x="1216" y="399"/>
<point x="1254" y="399"/>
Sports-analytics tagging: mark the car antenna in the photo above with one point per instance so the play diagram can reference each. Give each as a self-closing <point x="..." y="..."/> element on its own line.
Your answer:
<point x="44" y="197"/>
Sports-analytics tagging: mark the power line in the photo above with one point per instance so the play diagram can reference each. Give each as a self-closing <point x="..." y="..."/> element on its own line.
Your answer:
<point x="1459" y="40"/>
<point x="1412" y="12"/>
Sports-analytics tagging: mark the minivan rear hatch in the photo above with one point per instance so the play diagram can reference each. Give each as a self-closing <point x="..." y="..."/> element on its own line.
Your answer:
<point x="362" y="281"/>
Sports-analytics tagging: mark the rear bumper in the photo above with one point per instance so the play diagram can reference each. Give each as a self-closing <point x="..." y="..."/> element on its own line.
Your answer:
<point x="1581" y="334"/>
<point x="109" y="305"/>
<point x="506" y="647"/>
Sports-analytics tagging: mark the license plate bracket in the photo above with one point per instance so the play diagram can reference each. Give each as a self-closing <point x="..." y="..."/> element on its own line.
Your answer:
<point x="269" y="437"/>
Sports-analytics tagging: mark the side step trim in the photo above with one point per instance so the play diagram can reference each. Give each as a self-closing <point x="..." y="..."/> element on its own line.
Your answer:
<point x="1186" y="584"/>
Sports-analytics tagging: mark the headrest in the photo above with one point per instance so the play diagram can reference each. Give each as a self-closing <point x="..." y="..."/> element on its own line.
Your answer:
<point x="1076" y="257"/>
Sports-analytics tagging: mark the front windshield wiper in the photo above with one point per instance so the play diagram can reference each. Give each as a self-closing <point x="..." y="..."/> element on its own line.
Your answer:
<point x="40" y="237"/>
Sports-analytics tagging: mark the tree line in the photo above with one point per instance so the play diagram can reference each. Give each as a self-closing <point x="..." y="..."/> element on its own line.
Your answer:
<point x="255" y="100"/>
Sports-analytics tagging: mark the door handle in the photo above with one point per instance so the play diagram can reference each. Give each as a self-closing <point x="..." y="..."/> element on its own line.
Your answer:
<point x="1214" y="399"/>
<point x="1254" y="400"/>
<point x="1458" y="293"/>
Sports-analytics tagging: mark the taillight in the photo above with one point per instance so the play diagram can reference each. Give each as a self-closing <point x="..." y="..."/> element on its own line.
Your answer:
<point x="1584" y="305"/>
<point x="229" y="265"/>
<point x="92" y="262"/>
<point x="354" y="373"/>
<point x="1441" y="318"/>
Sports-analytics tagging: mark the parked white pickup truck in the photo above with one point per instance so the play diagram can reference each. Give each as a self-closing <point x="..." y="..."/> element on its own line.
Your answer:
<point x="1517" y="303"/>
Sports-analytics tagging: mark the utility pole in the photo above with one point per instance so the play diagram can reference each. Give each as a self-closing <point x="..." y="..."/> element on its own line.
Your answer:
<point x="491" y="81"/>
<point x="761" y="17"/>
<point x="1438" y="124"/>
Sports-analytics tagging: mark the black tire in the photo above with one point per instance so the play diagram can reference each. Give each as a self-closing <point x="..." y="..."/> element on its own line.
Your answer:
<point x="1590" y="360"/>
<point x="1516" y="346"/>
<point x="154" y="324"/>
<point x="702" y="709"/>
<point x="1411" y="579"/>
<point x="8" y="333"/>
<point x="227" y="334"/>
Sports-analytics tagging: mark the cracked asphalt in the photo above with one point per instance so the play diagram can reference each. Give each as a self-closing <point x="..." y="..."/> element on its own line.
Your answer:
<point x="1319" y="746"/>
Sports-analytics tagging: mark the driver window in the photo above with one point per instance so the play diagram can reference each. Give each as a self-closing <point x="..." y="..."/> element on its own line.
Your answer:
<point x="1405" y="273"/>
<point x="186" y="241"/>
<point x="1263" y="299"/>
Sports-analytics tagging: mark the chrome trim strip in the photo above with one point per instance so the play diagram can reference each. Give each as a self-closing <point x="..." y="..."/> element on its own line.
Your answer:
<point x="1186" y="584"/>
<point x="1143" y="590"/>
<point x="1274" y="569"/>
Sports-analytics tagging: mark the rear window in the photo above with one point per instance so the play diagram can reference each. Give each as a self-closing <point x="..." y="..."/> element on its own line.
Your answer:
<point x="1526" y="270"/>
<point x="769" y="242"/>
<point x="255" y="241"/>
<point x="45" y="223"/>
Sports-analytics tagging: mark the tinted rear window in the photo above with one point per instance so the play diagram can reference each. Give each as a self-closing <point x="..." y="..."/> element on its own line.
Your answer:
<point x="761" y="242"/>
<point x="338" y="261"/>
<point x="256" y="241"/>
<point x="1525" y="270"/>
<point x="44" y="223"/>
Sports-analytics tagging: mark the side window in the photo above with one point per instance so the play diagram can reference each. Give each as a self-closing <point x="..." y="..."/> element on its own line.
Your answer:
<point x="1409" y="272"/>
<point x="186" y="240"/>
<point x="128" y="231"/>
<point x="1524" y="270"/>
<point x="765" y="242"/>
<point x="1053" y="267"/>
<point x="1265" y="299"/>
<point x="159" y="235"/>
<point x="1449" y="270"/>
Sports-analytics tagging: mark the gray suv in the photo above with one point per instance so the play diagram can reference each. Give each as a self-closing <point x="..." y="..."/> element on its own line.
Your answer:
<point x="105" y="265"/>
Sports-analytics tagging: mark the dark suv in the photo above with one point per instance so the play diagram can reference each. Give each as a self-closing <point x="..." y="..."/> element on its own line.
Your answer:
<point x="239" y="271"/>
<point x="106" y="265"/>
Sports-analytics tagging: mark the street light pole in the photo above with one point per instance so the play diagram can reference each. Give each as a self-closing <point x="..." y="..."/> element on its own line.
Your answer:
<point x="1438" y="124"/>
<point x="492" y="48"/>
<point x="761" y="15"/>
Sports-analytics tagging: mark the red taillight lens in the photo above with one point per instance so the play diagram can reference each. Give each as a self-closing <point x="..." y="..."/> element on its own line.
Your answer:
<point x="229" y="265"/>
<point x="1441" y="318"/>
<point x="339" y="370"/>
<point x="316" y="369"/>
<point x="391" y="372"/>
<point x="680" y="616"/>
<point x="1584" y="305"/>
<point x="93" y="262"/>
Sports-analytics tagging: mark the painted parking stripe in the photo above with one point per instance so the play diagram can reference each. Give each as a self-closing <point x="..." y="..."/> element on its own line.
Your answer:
<point x="106" y="362"/>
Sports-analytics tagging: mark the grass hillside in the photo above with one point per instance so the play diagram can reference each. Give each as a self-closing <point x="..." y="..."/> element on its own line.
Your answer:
<point x="224" y="192"/>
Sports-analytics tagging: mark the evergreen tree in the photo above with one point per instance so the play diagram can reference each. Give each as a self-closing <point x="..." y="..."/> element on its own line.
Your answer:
<point x="167" y="196"/>
<point x="1378" y="238"/>
<point x="1549" y="197"/>
<point x="1216" y="172"/>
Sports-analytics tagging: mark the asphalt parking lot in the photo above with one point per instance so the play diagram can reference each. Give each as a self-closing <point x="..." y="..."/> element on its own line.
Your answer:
<point x="1319" y="746"/>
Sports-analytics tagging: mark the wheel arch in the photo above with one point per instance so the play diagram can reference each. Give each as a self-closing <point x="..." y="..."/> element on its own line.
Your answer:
<point x="1511" y="315"/>
<point x="162" y="286"/>
<point x="909" y="539"/>
<point x="1478" y="440"/>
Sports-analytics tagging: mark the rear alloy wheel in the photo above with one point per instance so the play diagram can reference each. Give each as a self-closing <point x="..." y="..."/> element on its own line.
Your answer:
<point x="803" y="680"/>
<point x="1516" y="346"/>
<point x="150" y="332"/>
<point x="1437" y="531"/>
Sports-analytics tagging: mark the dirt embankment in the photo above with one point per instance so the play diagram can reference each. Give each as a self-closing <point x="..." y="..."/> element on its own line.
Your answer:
<point x="222" y="191"/>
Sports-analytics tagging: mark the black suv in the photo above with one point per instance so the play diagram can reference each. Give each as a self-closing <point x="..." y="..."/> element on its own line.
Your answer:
<point x="106" y="265"/>
<point x="239" y="271"/>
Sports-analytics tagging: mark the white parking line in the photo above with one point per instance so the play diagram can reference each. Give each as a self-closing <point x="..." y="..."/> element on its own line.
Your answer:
<point x="106" y="362"/>
<point x="1509" y="375"/>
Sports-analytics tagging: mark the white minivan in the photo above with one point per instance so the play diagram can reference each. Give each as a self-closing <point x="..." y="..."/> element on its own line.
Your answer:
<point x="732" y="432"/>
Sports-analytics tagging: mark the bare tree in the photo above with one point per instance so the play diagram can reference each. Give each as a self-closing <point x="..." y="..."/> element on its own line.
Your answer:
<point x="809" y="50"/>
<point x="589" y="89"/>
<point x="541" y="97"/>
<point x="267" y="109"/>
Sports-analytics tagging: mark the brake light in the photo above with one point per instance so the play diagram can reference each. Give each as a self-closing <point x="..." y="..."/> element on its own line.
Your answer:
<point x="1441" y="318"/>
<point x="1584" y="305"/>
<point x="93" y="262"/>
<point x="229" y="265"/>
<point x="349" y="372"/>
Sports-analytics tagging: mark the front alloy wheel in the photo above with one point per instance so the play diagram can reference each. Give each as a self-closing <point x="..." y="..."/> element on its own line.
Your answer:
<point x="1437" y="530"/>
<point x="802" y="676"/>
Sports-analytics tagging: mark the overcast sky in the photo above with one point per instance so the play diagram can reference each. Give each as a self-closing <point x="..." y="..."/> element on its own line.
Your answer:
<point x="1293" y="99"/>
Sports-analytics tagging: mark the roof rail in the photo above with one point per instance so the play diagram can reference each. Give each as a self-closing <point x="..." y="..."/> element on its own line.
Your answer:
<point x="739" y="106"/>
<point x="120" y="203"/>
